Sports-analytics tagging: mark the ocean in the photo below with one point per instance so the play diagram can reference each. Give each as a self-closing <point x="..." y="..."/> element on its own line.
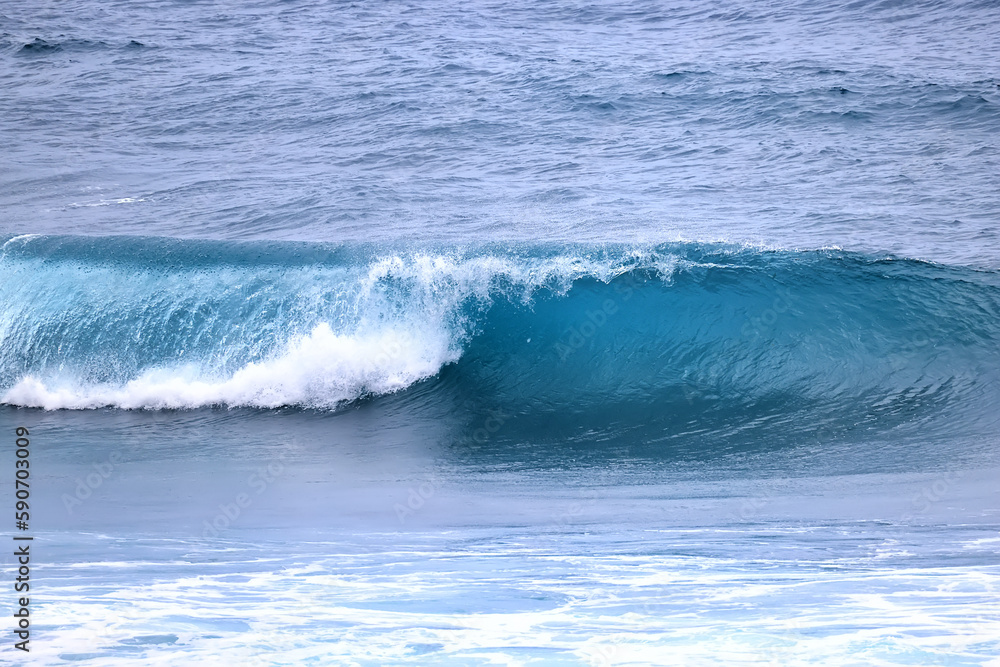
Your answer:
<point x="386" y="333"/>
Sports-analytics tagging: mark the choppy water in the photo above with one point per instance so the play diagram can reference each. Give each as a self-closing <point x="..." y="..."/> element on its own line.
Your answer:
<point x="865" y="125"/>
<point x="505" y="334"/>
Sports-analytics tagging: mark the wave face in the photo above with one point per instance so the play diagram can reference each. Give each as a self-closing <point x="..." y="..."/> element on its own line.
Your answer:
<point x="681" y="336"/>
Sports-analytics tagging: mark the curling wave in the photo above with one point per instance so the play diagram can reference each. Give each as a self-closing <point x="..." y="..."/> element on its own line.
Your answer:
<point x="622" y="335"/>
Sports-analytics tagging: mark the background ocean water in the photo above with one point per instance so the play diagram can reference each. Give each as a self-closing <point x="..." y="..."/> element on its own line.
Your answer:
<point x="862" y="125"/>
<point x="609" y="333"/>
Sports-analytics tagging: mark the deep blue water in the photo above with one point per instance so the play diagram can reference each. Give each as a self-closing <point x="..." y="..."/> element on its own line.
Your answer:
<point x="387" y="333"/>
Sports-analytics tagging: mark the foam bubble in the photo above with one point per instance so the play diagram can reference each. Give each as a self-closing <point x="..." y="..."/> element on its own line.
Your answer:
<point x="322" y="369"/>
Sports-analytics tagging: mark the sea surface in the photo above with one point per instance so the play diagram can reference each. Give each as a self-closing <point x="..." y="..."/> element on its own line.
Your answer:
<point x="557" y="333"/>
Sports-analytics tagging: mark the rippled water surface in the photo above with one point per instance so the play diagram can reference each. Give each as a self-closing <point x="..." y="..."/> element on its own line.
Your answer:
<point x="864" y="125"/>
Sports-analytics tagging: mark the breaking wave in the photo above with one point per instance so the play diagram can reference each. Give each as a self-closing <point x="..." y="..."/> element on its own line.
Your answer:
<point x="684" y="334"/>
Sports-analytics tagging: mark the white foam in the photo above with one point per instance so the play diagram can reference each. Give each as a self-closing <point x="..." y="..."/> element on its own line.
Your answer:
<point x="322" y="369"/>
<point x="447" y="279"/>
<point x="694" y="610"/>
<point x="21" y="238"/>
<point x="108" y="202"/>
